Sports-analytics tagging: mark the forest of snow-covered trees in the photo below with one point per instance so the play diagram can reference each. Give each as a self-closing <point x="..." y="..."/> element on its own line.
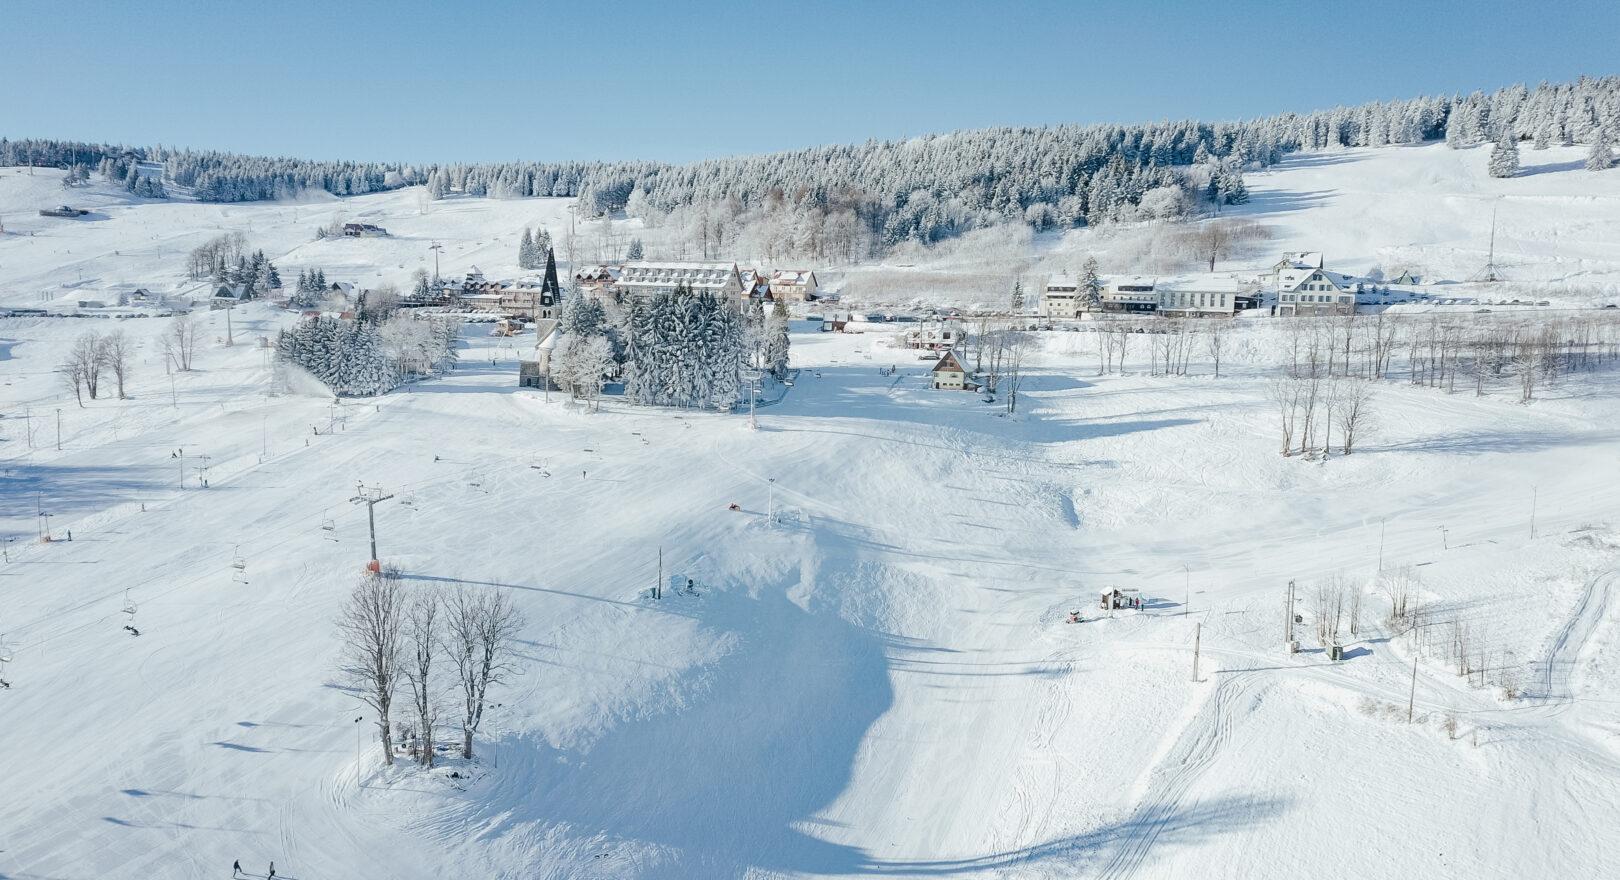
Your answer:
<point x="673" y="349"/>
<point x="366" y="358"/>
<point x="849" y="197"/>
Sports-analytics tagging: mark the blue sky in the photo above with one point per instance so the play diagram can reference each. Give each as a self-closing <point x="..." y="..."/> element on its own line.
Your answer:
<point x="621" y="79"/>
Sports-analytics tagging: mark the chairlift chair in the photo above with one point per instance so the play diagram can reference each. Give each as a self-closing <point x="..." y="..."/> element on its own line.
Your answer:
<point x="130" y="607"/>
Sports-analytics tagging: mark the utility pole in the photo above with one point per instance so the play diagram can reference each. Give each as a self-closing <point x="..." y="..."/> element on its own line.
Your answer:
<point x="59" y="430"/>
<point x="658" y="585"/>
<point x="371" y="498"/>
<point x="1198" y="639"/>
<point x="435" y="248"/>
<point x="1187" y="587"/>
<point x="1288" y="626"/>
<point x="1380" y="570"/>
<point x="1533" y="493"/>
<point x="770" y="509"/>
<point x="1412" y="697"/>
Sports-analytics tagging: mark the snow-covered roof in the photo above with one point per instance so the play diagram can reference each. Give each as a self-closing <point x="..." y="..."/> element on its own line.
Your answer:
<point x="793" y="277"/>
<point x="948" y="362"/>
<point x="1063" y="283"/>
<point x="1302" y="260"/>
<point x="1131" y="284"/>
<point x="1203" y="284"/>
<point x="1289" y="280"/>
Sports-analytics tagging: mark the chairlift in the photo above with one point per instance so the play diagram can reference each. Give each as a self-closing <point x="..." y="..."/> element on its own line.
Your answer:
<point x="130" y="607"/>
<point x="237" y="562"/>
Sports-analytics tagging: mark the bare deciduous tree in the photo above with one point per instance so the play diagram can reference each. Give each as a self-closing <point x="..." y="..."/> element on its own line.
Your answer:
<point x="179" y="341"/>
<point x="480" y="626"/>
<point x="422" y="630"/>
<point x="370" y="626"/>
<point x="1284" y="392"/>
<point x="1215" y="341"/>
<point x="115" y="353"/>
<point x="82" y="369"/>
<point x="1353" y="403"/>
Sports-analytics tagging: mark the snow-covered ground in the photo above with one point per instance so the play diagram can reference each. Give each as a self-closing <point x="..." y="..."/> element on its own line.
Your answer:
<point x="879" y="683"/>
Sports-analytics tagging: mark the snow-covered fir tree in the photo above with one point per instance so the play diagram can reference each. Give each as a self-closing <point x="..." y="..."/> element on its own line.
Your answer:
<point x="1601" y="158"/>
<point x="777" y="341"/>
<point x="1505" y="155"/>
<point x="1018" y="297"/>
<point x="1091" y="285"/>
<point x="525" y="255"/>
<point x="635" y="250"/>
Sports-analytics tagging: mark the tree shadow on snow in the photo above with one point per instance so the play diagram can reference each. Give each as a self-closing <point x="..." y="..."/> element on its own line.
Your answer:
<point x="724" y="781"/>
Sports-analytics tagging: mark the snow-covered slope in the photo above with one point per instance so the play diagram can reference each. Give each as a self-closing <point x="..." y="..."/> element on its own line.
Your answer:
<point x="879" y="683"/>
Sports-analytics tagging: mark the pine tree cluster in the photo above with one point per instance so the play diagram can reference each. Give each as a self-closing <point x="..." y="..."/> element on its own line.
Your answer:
<point x="367" y="358"/>
<point x="684" y="349"/>
<point x="310" y="289"/>
<point x="534" y="249"/>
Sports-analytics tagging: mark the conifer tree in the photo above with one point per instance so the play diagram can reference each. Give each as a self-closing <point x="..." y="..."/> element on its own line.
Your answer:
<point x="1600" y="159"/>
<point x="635" y="251"/>
<point x="1505" y="155"/>
<point x="1091" y="285"/>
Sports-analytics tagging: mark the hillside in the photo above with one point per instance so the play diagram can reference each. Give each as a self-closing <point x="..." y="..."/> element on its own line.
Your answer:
<point x="879" y="682"/>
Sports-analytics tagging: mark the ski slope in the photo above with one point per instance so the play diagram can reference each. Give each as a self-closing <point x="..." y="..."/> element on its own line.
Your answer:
<point x="878" y="683"/>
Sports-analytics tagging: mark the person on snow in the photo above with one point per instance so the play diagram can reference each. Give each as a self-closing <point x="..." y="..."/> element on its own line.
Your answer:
<point x="272" y="874"/>
<point x="236" y="867"/>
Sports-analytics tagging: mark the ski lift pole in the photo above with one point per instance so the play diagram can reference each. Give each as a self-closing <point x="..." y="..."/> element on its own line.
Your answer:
<point x="371" y="498"/>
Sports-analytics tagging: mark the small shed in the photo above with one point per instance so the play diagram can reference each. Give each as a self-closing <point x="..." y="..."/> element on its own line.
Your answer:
<point x="1113" y="597"/>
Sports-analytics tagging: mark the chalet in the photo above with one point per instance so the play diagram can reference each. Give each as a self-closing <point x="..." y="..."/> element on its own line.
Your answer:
<point x="1203" y="296"/>
<point x="1061" y="297"/>
<point x="643" y="279"/>
<point x="596" y="279"/>
<point x="834" y="322"/>
<point x="948" y="375"/>
<point x="1406" y="277"/>
<point x="363" y="230"/>
<point x="1314" y="292"/>
<point x="793" y="284"/>
<point x="1134" y="294"/>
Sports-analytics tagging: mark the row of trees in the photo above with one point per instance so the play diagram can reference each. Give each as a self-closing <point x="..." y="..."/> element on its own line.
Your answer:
<point x="225" y="260"/>
<point x="91" y="358"/>
<point x="924" y="188"/>
<point x="365" y="358"/>
<point x="392" y="639"/>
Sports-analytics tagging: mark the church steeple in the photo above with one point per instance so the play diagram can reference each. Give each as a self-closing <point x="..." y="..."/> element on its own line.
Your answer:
<point x="550" y="290"/>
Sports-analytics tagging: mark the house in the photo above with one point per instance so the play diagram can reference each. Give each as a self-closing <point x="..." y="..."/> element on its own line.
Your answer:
<point x="834" y="322"/>
<point x="948" y="375"/>
<point x="1134" y="294"/>
<point x="1296" y="261"/>
<point x="935" y="337"/>
<point x="643" y="279"/>
<point x="1202" y="296"/>
<point x="596" y="279"/>
<point x="794" y="284"/>
<point x="1314" y="292"/>
<point x="534" y="369"/>
<point x="1406" y="277"/>
<point x="363" y="230"/>
<point x="1061" y="297"/>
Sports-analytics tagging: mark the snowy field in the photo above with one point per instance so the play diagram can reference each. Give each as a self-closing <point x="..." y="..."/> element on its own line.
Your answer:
<point x="881" y="682"/>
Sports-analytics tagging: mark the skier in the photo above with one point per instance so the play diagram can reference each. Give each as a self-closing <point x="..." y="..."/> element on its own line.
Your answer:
<point x="735" y="507"/>
<point x="272" y="874"/>
<point x="236" y="867"/>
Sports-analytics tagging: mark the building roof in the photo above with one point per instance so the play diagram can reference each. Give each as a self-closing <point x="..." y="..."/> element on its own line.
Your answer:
<point x="1301" y="260"/>
<point x="696" y="275"/>
<point x="1064" y="282"/>
<point x="1289" y="280"/>
<point x="794" y="277"/>
<point x="948" y="363"/>
<point x="1204" y="283"/>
